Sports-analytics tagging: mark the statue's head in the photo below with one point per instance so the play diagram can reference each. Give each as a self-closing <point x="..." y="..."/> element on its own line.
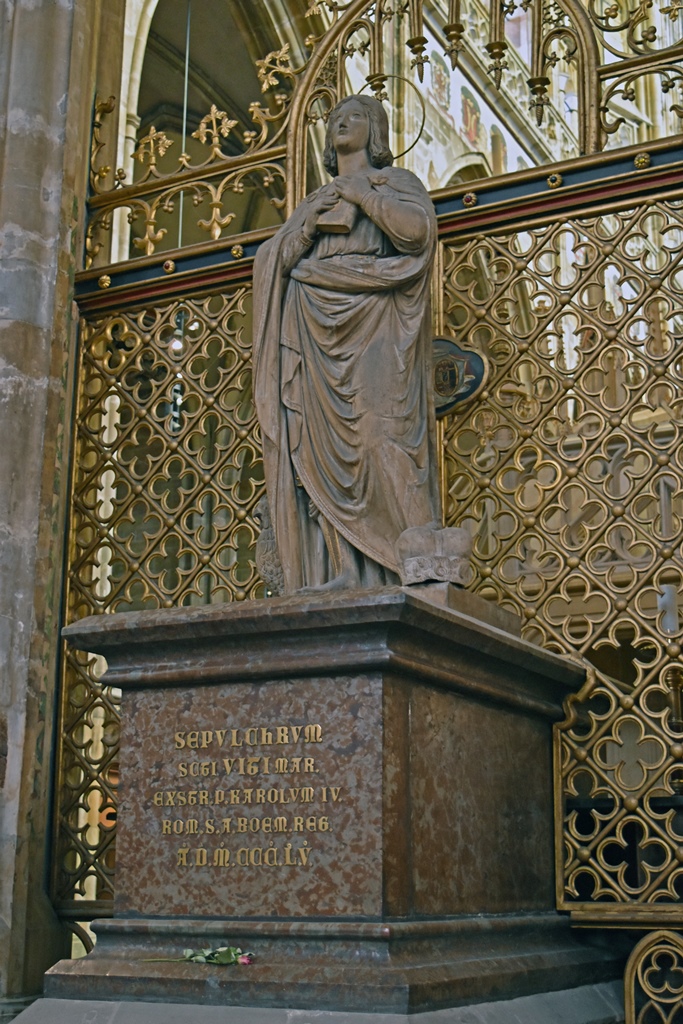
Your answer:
<point x="377" y="144"/>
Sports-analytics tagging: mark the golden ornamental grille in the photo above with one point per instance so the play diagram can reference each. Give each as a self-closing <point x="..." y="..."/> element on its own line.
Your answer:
<point x="568" y="473"/>
<point x="654" y="980"/>
<point x="167" y="471"/>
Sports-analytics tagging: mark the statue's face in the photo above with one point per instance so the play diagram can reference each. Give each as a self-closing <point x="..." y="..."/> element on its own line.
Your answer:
<point x="350" y="128"/>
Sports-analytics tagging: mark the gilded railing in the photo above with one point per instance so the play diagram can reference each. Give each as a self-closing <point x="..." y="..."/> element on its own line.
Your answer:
<point x="654" y="980"/>
<point x="569" y="476"/>
<point x="590" y="77"/>
<point x="167" y="473"/>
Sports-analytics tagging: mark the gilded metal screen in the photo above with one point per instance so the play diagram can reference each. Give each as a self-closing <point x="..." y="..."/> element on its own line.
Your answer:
<point x="654" y="980"/>
<point x="167" y="472"/>
<point x="568" y="473"/>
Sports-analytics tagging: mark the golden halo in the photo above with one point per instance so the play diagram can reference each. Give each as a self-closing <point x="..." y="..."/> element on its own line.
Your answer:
<point x="412" y="85"/>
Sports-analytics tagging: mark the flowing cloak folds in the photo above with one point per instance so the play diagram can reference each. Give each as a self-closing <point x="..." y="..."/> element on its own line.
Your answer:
<point x="342" y="375"/>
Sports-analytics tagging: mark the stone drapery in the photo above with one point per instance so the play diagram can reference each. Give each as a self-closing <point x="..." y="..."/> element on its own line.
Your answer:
<point x="342" y="362"/>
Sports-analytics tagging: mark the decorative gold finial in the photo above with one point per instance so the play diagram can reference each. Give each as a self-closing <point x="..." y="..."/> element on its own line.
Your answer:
<point x="212" y="126"/>
<point x="153" y="145"/>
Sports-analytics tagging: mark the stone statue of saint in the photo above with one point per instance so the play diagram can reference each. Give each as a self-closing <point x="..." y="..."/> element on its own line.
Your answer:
<point x="343" y="371"/>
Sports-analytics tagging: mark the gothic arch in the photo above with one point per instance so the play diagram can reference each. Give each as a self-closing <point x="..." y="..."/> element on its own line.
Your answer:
<point x="589" y="123"/>
<point x="587" y="76"/>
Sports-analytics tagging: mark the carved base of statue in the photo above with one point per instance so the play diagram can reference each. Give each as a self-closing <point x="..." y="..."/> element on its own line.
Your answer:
<point x="432" y="554"/>
<point x="355" y="788"/>
<point x="424" y="554"/>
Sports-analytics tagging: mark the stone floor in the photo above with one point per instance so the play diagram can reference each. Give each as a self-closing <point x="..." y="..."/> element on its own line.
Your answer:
<point x="591" y="1004"/>
<point x="11" y="1008"/>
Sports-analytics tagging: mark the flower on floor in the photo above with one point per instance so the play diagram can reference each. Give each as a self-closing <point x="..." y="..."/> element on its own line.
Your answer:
<point x="222" y="955"/>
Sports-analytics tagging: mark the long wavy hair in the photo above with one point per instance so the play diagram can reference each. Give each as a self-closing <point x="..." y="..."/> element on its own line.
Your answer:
<point x="378" y="140"/>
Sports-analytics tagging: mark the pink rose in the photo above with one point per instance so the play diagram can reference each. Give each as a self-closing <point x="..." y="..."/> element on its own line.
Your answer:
<point x="245" y="958"/>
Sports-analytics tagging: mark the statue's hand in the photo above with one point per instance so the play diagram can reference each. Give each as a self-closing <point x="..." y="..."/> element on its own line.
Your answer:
<point x="324" y="202"/>
<point x="352" y="187"/>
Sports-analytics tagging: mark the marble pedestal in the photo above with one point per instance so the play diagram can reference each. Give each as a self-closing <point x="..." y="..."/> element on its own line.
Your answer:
<point x="357" y="788"/>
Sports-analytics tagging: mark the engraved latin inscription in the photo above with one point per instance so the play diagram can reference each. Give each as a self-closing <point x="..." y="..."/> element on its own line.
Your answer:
<point x="246" y="797"/>
<point x="255" y="798"/>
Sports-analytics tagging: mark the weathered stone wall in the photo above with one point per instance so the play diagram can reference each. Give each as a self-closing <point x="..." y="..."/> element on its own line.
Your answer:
<point x="46" y="89"/>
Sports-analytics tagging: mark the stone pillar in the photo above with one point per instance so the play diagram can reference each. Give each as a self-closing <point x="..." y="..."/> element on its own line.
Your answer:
<point x="46" y="76"/>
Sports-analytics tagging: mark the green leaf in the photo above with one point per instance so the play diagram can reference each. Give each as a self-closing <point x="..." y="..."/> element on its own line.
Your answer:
<point x="225" y="956"/>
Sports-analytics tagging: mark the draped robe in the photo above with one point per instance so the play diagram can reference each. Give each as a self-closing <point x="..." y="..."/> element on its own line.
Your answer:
<point x="342" y="382"/>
